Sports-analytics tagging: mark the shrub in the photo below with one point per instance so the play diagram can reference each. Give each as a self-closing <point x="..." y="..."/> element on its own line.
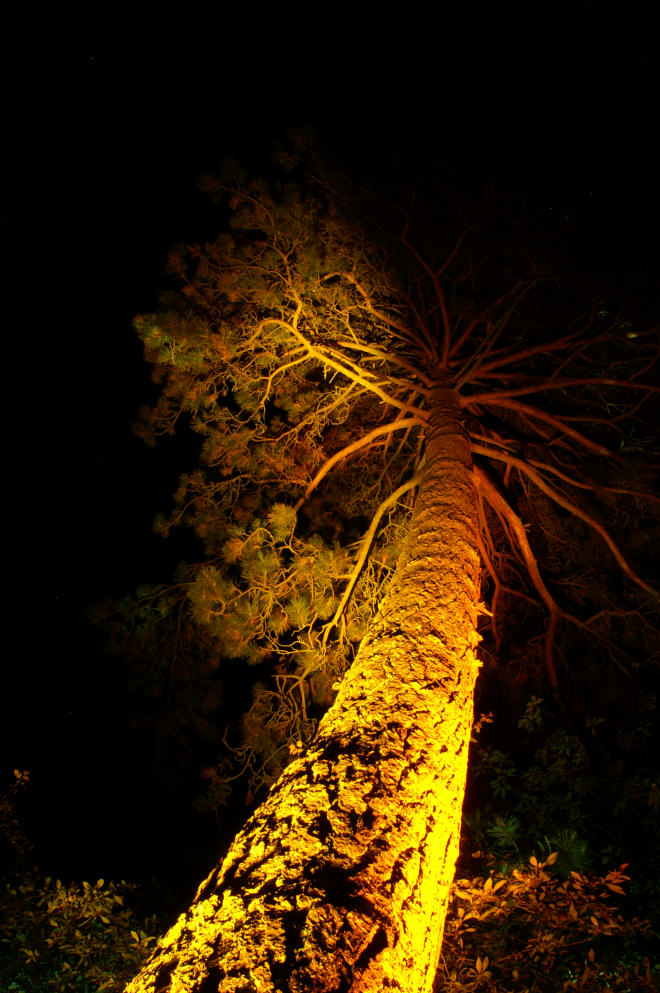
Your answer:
<point x="81" y="937"/>
<point x="532" y="930"/>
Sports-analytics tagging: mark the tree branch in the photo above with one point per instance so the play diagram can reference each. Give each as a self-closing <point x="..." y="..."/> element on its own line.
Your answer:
<point x="346" y="368"/>
<point x="365" y="545"/>
<point x="392" y="357"/>
<point x="501" y="506"/>
<point x="560" y="384"/>
<point x="568" y="505"/>
<point x="439" y="293"/>
<point x="508" y="358"/>
<point x="405" y="334"/>
<point x="536" y="413"/>
<point x="355" y="447"/>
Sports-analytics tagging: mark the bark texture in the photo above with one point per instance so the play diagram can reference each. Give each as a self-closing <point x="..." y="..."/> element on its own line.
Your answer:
<point x="340" y="880"/>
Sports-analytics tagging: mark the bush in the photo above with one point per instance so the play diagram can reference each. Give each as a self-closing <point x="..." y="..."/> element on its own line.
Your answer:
<point x="532" y="930"/>
<point x="537" y="786"/>
<point x="80" y="938"/>
<point x="60" y="939"/>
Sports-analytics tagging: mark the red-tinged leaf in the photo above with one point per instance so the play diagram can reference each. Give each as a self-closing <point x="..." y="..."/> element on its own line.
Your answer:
<point x="615" y="888"/>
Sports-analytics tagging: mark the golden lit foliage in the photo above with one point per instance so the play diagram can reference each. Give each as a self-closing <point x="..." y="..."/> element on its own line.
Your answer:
<point x="532" y="930"/>
<point x="55" y="938"/>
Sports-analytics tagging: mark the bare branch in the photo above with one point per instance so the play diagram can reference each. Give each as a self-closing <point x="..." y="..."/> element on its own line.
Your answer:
<point x="439" y="293"/>
<point x="537" y="414"/>
<point x="463" y="337"/>
<point x="278" y="372"/>
<point x="486" y="550"/>
<point x="397" y="329"/>
<point x="594" y="487"/>
<point x="365" y="545"/>
<point x="392" y="357"/>
<point x="346" y="368"/>
<point x="382" y="378"/>
<point x="560" y="384"/>
<point x="568" y="505"/>
<point x="355" y="447"/>
<point x="507" y="357"/>
<point x="579" y="484"/>
<point x="494" y="328"/>
<point x="501" y="506"/>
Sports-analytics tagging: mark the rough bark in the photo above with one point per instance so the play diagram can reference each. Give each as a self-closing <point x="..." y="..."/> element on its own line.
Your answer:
<point x="340" y="880"/>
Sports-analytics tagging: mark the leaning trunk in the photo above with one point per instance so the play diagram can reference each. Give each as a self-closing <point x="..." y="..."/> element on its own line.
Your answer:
<point x="340" y="880"/>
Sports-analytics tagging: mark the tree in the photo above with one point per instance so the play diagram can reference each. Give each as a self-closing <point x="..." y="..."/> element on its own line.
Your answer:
<point x="374" y="415"/>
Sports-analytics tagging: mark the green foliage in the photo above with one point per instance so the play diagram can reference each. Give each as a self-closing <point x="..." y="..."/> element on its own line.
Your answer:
<point x="533" y="716"/>
<point x="589" y="798"/>
<point x="536" y="930"/>
<point x="56" y="938"/>
<point x="553" y="789"/>
<point x="277" y="352"/>
<point x="282" y="521"/>
<point x="81" y="938"/>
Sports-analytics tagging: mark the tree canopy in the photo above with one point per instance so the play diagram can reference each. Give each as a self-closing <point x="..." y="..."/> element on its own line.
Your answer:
<point x="301" y="346"/>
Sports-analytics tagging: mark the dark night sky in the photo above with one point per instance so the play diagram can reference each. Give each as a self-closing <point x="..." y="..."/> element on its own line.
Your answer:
<point x="105" y="128"/>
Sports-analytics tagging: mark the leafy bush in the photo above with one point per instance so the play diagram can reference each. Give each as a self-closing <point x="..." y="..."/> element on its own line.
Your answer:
<point x="80" y="938"/>
<point x="591" y="797"/>
<point x="533" y="930"/>
<point x="57" y="939"/>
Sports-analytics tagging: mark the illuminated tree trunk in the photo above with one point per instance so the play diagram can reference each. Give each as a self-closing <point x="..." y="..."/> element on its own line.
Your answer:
<point x="340" y="880"/>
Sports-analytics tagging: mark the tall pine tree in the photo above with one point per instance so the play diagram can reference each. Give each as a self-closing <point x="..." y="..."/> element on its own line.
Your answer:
<point x="376" y="419"/>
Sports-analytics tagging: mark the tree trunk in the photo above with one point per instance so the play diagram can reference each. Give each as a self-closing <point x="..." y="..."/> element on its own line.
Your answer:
<point x="340" y="879"/>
